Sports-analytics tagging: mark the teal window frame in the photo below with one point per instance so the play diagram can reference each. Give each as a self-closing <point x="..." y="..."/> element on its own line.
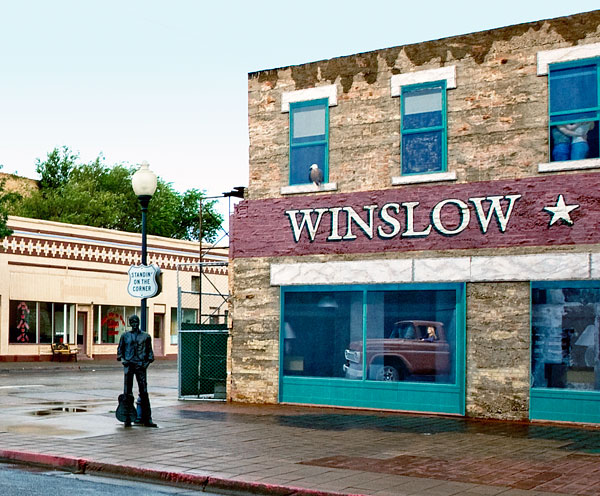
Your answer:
<point x="591" y="113"/>
<point x="442" y="128"/>
<point x="563" y="405"/>
<point x="295" y="145"/>
<point x="448" y="398"/>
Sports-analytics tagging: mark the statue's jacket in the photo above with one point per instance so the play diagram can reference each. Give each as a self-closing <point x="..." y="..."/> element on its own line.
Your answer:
<point x="135" y="347"/>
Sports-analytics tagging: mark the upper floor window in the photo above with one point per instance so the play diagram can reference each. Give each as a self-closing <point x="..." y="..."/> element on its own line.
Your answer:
<point x="574" y="108"/>
<point x="423" y="124"/>
<point x="309" y="136"/>
<point x="309" y="139"/>
<point x="423" y="128"/>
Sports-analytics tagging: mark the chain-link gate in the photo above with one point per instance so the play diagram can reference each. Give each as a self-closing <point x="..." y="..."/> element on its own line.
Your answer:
<point x="202" y="330"/>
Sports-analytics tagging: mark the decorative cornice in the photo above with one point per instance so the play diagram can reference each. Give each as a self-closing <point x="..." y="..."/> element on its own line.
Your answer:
<point x="64" y="249"/>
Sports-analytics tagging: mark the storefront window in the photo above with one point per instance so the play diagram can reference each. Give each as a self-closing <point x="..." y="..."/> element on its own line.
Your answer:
<point x="41" y="322"/>
<point x="565" y="338"/>
<point x="114" y="322"/>
<point x="318" y="328"/>
<point x="59" y="324"/>
<point x="45" y="322"/>
<point x="411" y="335"/>
<point x="393" y="346"/>
<point x="23" y="322"/>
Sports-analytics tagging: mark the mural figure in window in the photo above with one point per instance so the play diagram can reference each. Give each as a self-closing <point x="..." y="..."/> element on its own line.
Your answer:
<point x="22" y="322"/>
<point x="571" y="141"/>
<point x="135" y="352"/>
<point x="574" y="109"/>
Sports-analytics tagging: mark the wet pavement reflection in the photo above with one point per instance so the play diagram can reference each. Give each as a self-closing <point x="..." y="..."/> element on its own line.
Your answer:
<point x="575" y="438"/>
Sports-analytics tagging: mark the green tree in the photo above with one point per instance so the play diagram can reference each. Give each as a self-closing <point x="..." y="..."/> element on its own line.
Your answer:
<point x="7" y="200"/>
<point x="96" y="195"/>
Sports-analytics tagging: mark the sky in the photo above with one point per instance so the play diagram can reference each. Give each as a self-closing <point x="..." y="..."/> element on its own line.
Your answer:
<point x="166" y="81"/>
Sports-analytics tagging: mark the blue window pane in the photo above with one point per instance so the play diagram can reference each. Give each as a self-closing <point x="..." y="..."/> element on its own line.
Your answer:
<point x="422" y="152"/>
<point x="308" y="122"/>
<point x="420" y="121"/>
<point x="573" y="88"/>
<point x="565" y="337"/>
<point x="318" y="328"/>
<point x="422" y="108"/>
<point x="302" y="157"/>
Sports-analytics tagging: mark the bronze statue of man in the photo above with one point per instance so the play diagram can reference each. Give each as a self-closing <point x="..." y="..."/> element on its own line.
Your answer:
<point x="135" y="352"/>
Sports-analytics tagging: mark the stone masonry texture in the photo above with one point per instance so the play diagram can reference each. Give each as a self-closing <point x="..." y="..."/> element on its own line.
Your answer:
<point x="497" y="131"/>
<point x="498" y="353"/>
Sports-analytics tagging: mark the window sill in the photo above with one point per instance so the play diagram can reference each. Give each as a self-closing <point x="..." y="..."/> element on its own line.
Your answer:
<point x="570" y="165"/>
<point x="424" y="178"/>
<point x="308" y="188"/>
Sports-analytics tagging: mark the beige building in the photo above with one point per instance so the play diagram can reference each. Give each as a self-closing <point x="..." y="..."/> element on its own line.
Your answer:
<point x="68" y="283"/>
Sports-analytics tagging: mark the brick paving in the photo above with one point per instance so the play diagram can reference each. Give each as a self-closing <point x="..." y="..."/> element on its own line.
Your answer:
<point x="347" y="452"/>
<point x="289" y="449"/>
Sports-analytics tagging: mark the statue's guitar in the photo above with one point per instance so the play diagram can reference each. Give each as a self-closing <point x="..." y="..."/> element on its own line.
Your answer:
<point x="126" y="411"/>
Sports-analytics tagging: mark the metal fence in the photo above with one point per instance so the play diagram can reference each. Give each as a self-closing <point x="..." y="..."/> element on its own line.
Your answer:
<point x="202" y="313"/>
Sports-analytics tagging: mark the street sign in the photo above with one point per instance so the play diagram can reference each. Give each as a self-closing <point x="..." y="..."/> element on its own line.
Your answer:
<point x="144" y="281"/>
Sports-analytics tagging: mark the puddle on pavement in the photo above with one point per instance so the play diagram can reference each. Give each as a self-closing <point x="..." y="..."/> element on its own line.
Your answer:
<point x="63" y="402"/>
<point x="58" y="410"/>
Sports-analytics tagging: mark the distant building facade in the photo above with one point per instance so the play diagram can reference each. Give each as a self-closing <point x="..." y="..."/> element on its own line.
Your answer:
<point x="68" y="283"/>
<point x="449" y="261"/>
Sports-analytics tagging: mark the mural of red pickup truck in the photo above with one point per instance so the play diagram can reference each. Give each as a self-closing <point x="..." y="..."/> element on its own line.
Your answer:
<point x="414" y="349"/>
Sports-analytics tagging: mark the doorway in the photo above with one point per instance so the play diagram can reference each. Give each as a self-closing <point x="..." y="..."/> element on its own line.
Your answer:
<point x="82" y="321"/>
<point x="159" y="326"/>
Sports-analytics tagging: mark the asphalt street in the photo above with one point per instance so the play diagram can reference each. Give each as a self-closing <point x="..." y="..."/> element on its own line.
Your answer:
<point x="19" y="481"/>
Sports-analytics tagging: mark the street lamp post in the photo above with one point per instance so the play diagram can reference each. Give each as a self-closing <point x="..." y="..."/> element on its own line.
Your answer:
<point x="144" y="186"/>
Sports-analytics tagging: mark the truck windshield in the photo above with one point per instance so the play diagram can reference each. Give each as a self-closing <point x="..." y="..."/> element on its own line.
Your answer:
<point x="404" y="330"/>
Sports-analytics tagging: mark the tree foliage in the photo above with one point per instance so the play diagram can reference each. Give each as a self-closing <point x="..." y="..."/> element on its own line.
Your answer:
<point x="96" y="195"/>
<point x="7" y="200"/>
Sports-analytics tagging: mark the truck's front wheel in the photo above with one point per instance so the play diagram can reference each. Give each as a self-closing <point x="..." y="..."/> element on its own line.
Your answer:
<point x="388" y="373"/>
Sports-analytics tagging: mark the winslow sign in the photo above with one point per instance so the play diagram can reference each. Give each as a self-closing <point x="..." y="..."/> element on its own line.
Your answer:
<point x="398" y="219"/>
<point x="539" y="211"/>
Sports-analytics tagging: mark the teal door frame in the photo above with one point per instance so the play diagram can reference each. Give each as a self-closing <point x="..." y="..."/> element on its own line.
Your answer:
<point x="400" y="396"/>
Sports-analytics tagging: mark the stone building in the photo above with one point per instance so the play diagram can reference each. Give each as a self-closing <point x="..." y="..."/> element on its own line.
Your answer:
<point x="449" y="259"/>
<point x="65" y="283"/>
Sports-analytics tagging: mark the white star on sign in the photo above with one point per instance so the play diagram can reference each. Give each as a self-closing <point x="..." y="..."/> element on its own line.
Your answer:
<point x="561" y="211"/>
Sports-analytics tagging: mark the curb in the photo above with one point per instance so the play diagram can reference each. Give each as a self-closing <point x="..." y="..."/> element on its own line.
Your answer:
<point x="207" y="483"/>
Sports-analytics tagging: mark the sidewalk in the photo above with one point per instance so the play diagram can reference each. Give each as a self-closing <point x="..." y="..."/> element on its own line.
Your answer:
<point x="290" y="450"/>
